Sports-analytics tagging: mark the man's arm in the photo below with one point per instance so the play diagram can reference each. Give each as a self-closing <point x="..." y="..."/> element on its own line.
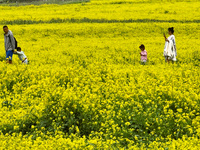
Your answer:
<point x="12" y="40"/>
<point x="5" y="42"/>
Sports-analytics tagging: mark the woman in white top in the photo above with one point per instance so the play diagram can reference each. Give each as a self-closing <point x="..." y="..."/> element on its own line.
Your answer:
<point x="21" y="55"/>
<point x="170" y="46"/>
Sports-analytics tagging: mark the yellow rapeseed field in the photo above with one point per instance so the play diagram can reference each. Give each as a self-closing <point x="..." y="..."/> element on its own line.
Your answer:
<point x="84" y="86"/>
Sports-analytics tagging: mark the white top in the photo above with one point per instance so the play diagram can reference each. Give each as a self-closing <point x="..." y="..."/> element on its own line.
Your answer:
<point x="169" y="51"/>
<point x="21" y="55"/>
<point x="172" y="38"/>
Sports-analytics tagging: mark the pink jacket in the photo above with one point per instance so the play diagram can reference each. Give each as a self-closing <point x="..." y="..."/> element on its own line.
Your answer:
<point x="143" y="55"/>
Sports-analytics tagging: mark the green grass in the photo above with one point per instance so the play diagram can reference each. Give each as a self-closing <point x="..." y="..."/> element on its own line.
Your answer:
<point x="38" y="2"/>
<point x="88" y="20"/>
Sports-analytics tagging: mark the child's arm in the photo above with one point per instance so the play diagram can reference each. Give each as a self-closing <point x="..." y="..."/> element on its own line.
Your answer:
<point x="17" y="52"/>
<point x="144" y="54"/>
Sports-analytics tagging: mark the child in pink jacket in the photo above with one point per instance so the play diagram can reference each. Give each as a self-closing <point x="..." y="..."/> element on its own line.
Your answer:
<point x="143" y="54"/>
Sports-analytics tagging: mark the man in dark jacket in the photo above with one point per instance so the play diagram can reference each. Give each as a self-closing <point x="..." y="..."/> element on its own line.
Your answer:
<point x="9" y="42"/>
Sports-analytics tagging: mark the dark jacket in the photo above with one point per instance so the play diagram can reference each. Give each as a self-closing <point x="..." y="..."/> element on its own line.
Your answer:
<point x="9" y="41"/>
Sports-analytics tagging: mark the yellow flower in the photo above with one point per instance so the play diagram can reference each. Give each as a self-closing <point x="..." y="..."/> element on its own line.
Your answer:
<point x="180" y="110"/>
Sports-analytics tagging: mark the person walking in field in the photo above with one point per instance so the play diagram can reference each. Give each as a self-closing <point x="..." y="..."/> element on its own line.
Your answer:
<point x="170" y="52"/>
<point x="21" y="55"/>
<point x="143" y="54"/>
<point x="9" y="42"/>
